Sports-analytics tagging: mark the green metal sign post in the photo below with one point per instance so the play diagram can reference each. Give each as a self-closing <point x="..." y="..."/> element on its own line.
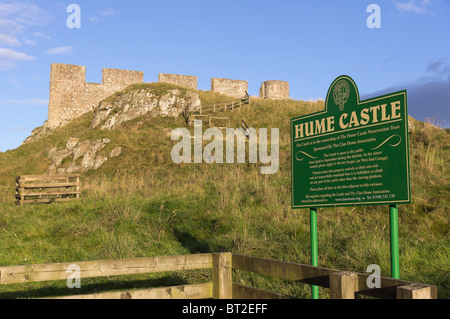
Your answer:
<point x="395" y="262"/>
<point x="353" y="153"/>
<point x="314" y="248"/>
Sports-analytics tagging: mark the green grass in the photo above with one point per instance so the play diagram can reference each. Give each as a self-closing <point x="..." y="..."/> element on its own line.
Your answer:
<point x="140" y="204"/>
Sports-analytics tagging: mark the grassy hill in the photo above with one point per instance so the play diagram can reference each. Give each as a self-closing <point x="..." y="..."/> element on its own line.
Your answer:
<point x="141" y="204"/>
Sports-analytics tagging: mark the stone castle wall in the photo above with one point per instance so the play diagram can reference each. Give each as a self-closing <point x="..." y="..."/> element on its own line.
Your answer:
<point x="275" y="90"/>
<point x="234" y="88"/>
<point x="181" y="80"/>
<point x="71" y="96"/>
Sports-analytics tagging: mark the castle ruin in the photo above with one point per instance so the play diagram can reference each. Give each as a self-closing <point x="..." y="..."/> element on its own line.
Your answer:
<point x="234" y="88"/>
<point x="275" y="90"/>
<point x="187" y="81"/>
<point x="71" y="96"/>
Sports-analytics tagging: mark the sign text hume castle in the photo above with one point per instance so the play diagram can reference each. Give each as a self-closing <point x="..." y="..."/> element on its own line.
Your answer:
<point x="353" y="153"/>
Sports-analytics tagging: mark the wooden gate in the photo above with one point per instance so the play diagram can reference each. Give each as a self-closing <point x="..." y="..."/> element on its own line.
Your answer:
<point x="36" y="189"/>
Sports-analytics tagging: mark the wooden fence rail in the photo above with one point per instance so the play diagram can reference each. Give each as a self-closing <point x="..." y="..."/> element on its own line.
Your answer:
<point x="220" y="263"/>
<point x="225" y="122"/>
<point x="35" y="189"/>
<point x="342" y="285"/>
<point x="223" y="107"/>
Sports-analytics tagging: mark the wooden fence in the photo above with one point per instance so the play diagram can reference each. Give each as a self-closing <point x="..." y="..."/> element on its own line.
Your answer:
<point x="107" y="268"/>
<point x="213" y="121"/>
<point x="223" y="107"/>
<point x="35" y="189"/>
<point x="342" y="285"/>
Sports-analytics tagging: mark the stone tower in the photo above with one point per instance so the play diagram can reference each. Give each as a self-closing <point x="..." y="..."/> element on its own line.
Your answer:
<point x="71" y="96"/>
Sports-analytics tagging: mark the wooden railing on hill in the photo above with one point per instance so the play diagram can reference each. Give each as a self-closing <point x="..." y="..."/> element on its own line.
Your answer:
<point x="224" y="106"/>
<point x="35" y="189"/>
<point x="343" y="285"/>
<point x="225" y="122"/>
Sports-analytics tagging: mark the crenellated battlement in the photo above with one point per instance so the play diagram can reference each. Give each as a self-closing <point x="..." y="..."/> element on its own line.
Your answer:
<point x="71" y="96"/>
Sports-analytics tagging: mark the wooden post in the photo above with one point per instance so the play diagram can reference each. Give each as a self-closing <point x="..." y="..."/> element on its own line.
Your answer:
<point x="67" y="187"/>
<point x="343" y="285"/>
<point x="222" y="278"/>
<point x="18" y="192"/>
<point x="21" y="192"/>
<point x="416" y="291"/>
<point x="78" y="187"/>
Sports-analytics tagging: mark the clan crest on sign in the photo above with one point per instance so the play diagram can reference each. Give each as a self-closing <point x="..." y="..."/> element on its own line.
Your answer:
<point x="341" y="94"/>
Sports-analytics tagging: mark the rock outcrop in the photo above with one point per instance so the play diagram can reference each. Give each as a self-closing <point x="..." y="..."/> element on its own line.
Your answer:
<point x="130" y="105"/>
<point x="81" y="156"/>
<point x="134" y="104"/>
<point x="38" y="133"/>
<point x="87" y="150"/>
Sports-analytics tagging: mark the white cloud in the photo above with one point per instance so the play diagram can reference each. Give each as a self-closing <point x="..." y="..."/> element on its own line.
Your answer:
<point x="41" y="35"/>
<point x="15" y="18"/>
<point x="9" y="40"/>
<point x="8" y="9"/>
<point x="59" y="50"/>
<point x="9" y="58"/>
<point x="32" y="15"/>
<point x="105" y="14"/>
<point x="108" y="12"/>
<point x="10" y="27"/>
<point x="10" y="54"/>
<point x="414" y="6"/>
<point x="29" y="42"/>
<point x="24" y="13"/>
<point x="25" y="102"/>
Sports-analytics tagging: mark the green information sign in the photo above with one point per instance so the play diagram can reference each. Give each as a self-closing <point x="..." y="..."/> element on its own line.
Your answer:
<point x="353" y="153"/>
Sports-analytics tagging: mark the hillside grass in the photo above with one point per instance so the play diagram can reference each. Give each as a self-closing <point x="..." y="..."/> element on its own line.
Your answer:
<point x="141" y="204"/>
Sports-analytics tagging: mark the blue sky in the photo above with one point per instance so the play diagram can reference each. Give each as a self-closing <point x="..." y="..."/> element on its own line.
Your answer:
<point x="307" y="43"/>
